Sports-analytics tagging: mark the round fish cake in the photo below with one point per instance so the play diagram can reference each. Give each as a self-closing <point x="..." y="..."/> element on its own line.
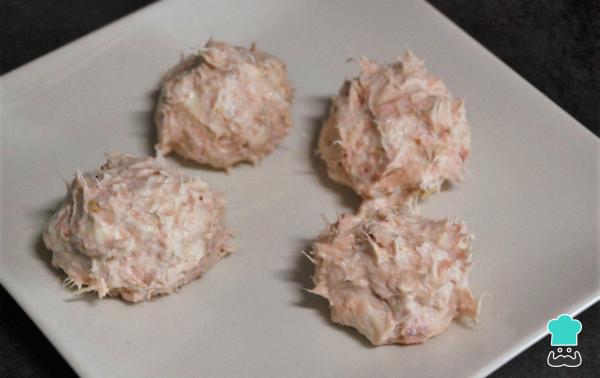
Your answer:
<point x="396" y="278"/>
<point x="395" y="131"/>
<point x="136" y="228"/>
<point x="225" y="105"/>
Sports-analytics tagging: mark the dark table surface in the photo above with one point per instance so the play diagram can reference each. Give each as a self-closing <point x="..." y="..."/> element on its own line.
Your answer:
<point x="555" y="45"/>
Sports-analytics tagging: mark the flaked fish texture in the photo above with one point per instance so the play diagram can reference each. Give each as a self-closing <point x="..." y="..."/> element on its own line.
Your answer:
<point x="395" y="277"/>
<point x="225" y="105"/>
<point x="395" y="131"/>
<point x="136" y="228"/>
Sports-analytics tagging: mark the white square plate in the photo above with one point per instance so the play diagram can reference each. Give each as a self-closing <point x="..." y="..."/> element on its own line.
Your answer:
<point x="531" y="198"/>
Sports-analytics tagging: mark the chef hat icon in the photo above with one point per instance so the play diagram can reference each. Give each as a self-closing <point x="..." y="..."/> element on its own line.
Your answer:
<point x="564" y="330"/>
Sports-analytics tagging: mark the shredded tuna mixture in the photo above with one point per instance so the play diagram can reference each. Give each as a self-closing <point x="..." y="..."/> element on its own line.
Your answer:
<point x="136" y="228"/>
<point x="225" y="105"/>
<point x="395" y="134"/>
<point x="395" y="131"/>
<point x="396" y="278"/>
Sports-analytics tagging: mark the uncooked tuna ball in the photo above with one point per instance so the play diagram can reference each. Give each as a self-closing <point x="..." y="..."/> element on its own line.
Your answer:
<point x="225" y="105"/>
<point x="395" y="130"/>
<point x="395" y="278"/>
<point x="136" y="228"/>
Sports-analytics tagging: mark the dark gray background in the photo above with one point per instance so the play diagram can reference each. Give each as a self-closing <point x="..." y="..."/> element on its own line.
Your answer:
<point x="555" y="45"/>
